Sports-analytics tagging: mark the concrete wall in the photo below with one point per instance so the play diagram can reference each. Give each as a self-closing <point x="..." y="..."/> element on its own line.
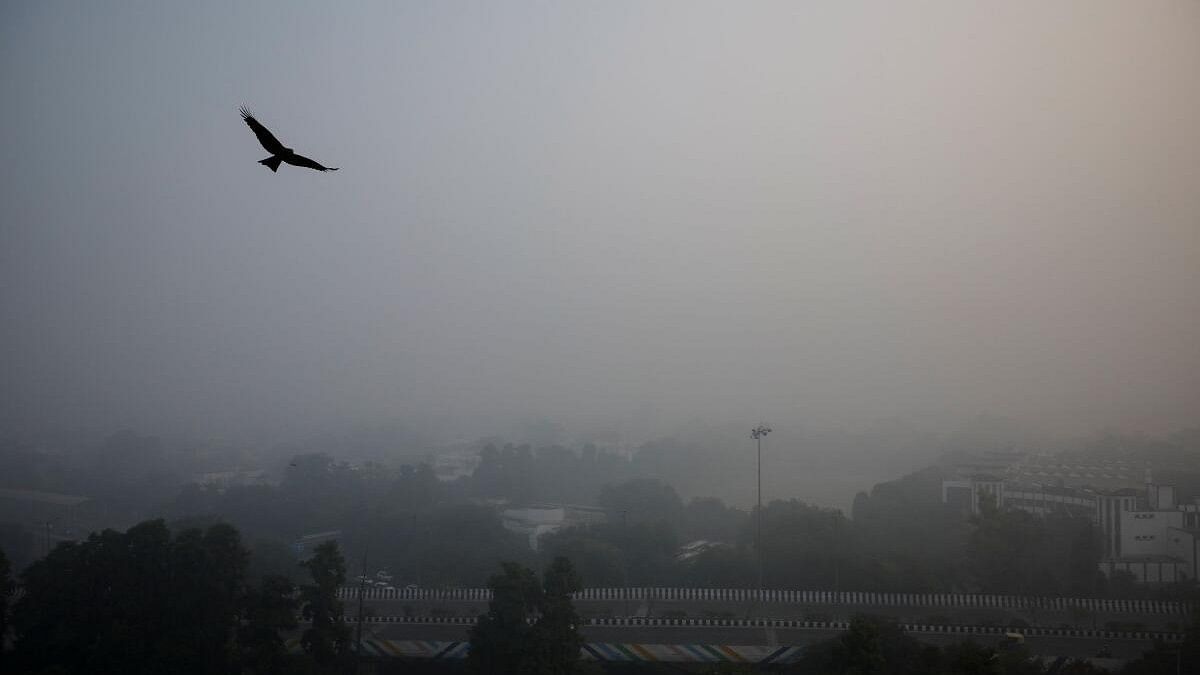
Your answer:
<point x="1109" y="509"/>
<point x="1155" y="571"/>
<point x="1185" y="545"/>
<point x="1144" y="533"/>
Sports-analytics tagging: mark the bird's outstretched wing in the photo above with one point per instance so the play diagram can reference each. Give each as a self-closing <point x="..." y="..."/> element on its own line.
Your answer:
<point x="268" y="141"/>
<point x="301" y="160"/>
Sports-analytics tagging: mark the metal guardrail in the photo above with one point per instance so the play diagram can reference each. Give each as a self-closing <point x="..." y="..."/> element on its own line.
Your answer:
<point x="799" y="624"/>
<point x="590" y="651"/>
<point x="859" y="598"/>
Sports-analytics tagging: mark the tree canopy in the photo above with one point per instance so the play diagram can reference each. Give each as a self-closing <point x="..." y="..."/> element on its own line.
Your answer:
<point x="138" y="601"/>
<point x="149" y="600"/>
<point x="530" y="627"/>
<point x="327" y="639"/>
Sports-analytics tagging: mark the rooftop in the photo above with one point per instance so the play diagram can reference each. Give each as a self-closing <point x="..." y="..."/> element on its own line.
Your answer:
<point x="1120" y="492"/>
<point x="43" y="497"/>
<point x="1149" y="559"/>
<point x="320" y="535"/>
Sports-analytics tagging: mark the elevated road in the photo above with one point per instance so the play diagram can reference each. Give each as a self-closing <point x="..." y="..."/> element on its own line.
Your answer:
<point x="753" y="639"/>
<point x="676" y="603"/>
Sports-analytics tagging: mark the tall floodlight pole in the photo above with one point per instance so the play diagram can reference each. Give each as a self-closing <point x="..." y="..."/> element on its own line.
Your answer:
<point x="757" y="434"/>
<point x="367" y="526"/>
<point x="362" y="585"/>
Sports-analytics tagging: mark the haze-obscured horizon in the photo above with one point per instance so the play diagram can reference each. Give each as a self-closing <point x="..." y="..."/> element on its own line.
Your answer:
<point x="611" y="216"/>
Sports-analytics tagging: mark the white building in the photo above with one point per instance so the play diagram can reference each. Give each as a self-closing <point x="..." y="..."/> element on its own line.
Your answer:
<point x="1110" y="510"/>
<point x="1184" y="544"/>
<point x="967" y="493"/>
<point x="690" y="550"/>
<point x="536" y="520"/>
<point x="1144" y="532"/>
<point x="304" y="546"/>
<point x="1158" y="544"/>
<point x="223" y="480"/>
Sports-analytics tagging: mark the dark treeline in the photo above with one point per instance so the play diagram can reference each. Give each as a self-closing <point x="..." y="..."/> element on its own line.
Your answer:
<point x="900" y="537"/>
<point x="531" y="626"/>
<point x="131" y="476"/>
<point x="429" y="532"/>
<point x="880" y="647"/>
<point x="153" y="600"/>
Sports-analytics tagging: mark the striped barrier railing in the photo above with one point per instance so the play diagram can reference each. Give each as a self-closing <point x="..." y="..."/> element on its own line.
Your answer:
<point x="800" y="624"/>
<point x="853" y="598"/>
<point x="697" y="653"/>
<point x="591" y="651"/>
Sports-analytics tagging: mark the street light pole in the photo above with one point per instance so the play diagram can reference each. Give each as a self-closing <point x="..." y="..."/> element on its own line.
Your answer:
<point x="757" y="434"/>
<point x="362" y="585"/>
<point x="367" y="525"/>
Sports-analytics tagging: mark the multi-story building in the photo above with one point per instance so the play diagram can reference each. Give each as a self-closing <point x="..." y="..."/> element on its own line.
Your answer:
<point x="1183" y="543"/>
<point x="1110" y="508"/>
<point x="1144" y="531"/>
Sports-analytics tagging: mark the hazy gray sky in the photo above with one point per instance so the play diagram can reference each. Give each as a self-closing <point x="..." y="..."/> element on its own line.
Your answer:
<point x="589" y="211"/>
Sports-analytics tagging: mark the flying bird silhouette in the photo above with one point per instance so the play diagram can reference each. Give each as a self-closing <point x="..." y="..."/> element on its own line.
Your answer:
<point x="278" y="152"/>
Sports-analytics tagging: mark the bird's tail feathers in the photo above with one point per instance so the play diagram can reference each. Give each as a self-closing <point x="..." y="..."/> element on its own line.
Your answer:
<point x="271" y="162"/>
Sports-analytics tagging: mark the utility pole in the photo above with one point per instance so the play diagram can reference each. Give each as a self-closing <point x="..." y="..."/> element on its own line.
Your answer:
<point x="625" y="562"/>
<point x="362" y="585"/>
<point x="757" y="434"/>
<point x="837" y="552"/>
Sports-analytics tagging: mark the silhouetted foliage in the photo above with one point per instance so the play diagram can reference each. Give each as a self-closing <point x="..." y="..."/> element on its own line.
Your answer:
<point x="804" y="546"/>
<point x="520" y="475"/>
<point x="876" y="646"/>
<point x="269" y="610"/>
<point x="554" y="641"/>
<point x="1166" y="659"/>
<point x="711" y="519"/>
<point x="138" y="601"/>
<point x="207" y="576"/>
<point x="643" y="500"/>
<point x="504" y="640"/>
<point x="911" y="541"/>
<point x="7" y="587"/>
<point x="720" y="567"/>
<point x="499" y="639"/>
<point x="327" y="638"/>
<point x="17" y="543"/>
<point x="638" y="554"/>
<point x="601" y="563"/>
<point x="1015" y="552"/>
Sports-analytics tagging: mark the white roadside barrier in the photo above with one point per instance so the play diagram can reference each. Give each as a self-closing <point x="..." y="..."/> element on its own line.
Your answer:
<point x="797" y="597"/>
<point x="798" y="624"/>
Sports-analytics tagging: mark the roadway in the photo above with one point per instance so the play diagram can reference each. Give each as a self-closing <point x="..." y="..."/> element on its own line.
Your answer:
<point x="1050" y="646"/>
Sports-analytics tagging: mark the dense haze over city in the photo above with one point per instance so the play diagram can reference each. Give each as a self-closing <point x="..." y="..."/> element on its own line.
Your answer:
<point x="623" y="216"/>
<point x="866" y="333"/>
